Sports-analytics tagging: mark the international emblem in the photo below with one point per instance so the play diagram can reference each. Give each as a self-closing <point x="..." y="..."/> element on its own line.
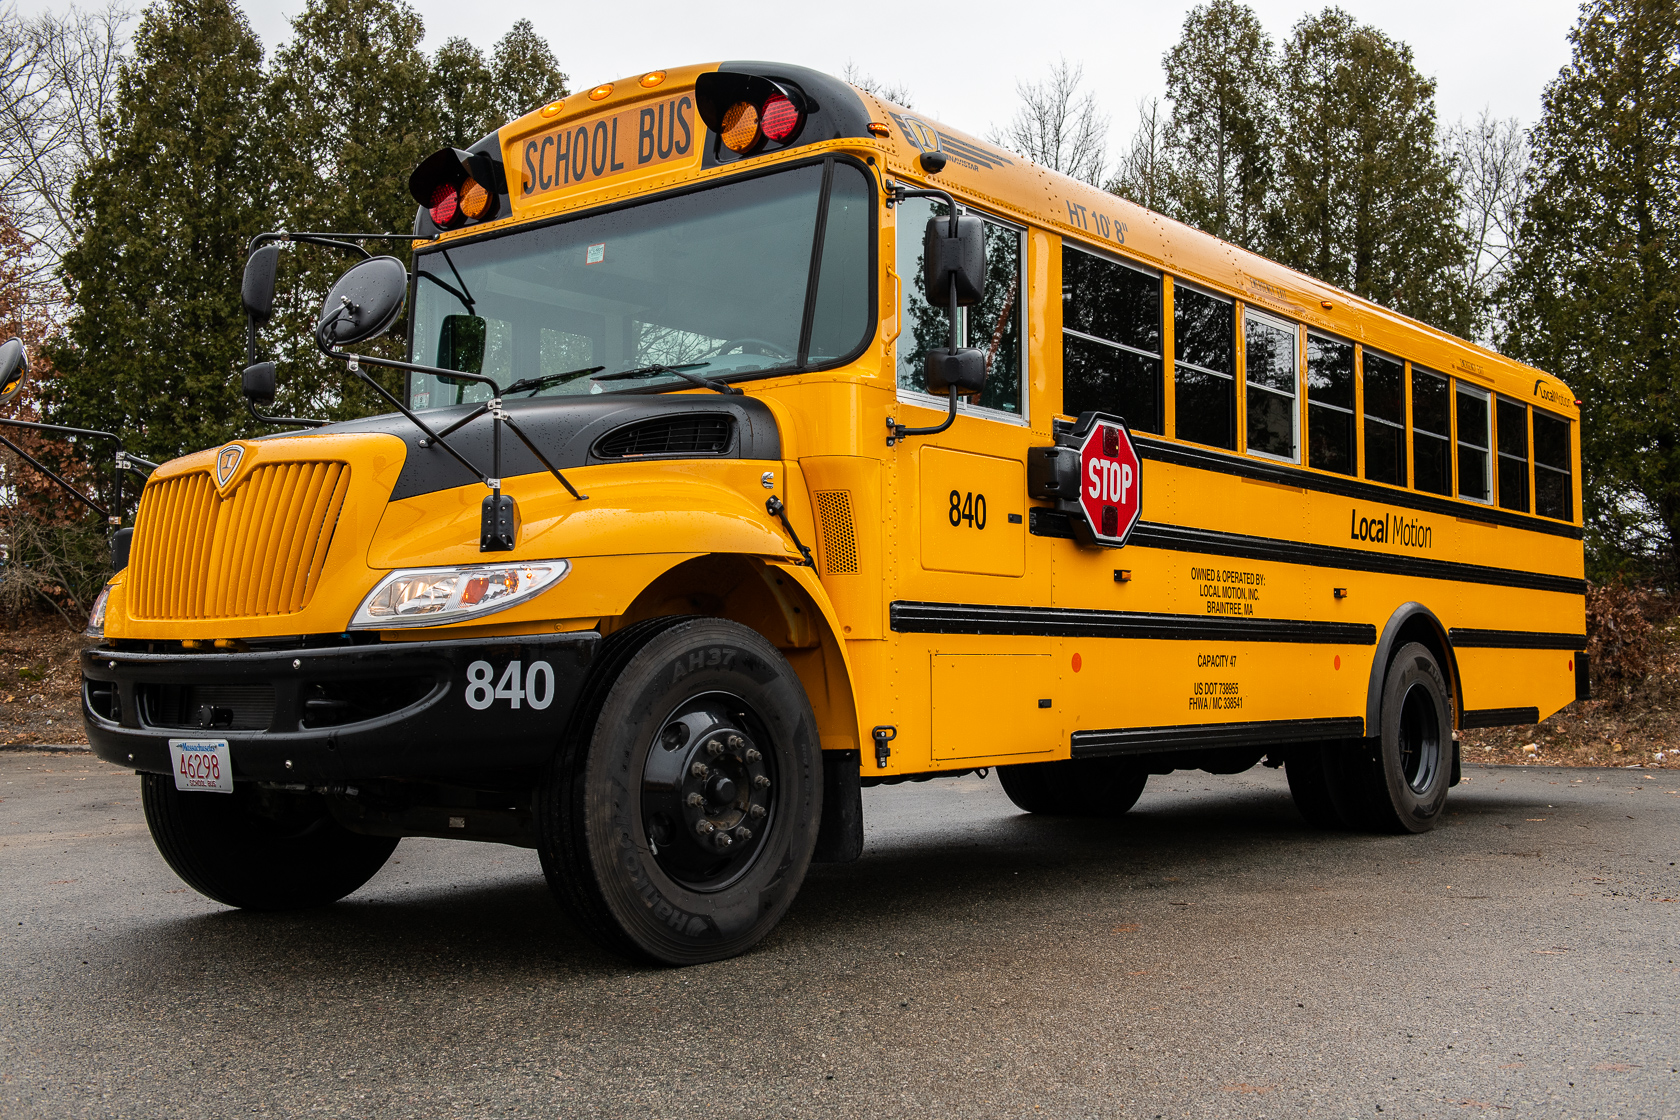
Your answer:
<point x="227" y="461"/>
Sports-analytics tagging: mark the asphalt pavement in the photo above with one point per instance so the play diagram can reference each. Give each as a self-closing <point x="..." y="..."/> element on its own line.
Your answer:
<point x="1207" y="956"/>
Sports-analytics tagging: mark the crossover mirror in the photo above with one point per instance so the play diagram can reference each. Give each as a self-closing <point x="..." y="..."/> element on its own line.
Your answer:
<point x="14" y="369"/>
<point x="363" y="303"/>
<point x="461" y="343"/>
<point x="257" y="290"/>
<point x="257" y="383"/>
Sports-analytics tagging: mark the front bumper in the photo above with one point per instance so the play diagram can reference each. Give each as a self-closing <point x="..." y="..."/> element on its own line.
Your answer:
<point x="393" y="710"/>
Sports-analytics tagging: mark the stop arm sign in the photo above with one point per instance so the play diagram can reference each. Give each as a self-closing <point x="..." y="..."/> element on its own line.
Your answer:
<point x="1110" y="482"/>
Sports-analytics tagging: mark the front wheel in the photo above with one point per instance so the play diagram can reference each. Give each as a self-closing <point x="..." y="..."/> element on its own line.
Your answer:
<point x="259" y="849"/>
<point x="677" y="822"/>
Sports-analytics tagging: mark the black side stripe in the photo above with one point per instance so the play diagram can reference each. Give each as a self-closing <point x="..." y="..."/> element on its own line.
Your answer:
<point x="1145" y="740"/>
<point x="1180" y="539"/>
<point x="1221" y="463"/>
<point x="1066" y="622"/>
<point x="1515" y="639"/>
<point x="1497" y="717"/>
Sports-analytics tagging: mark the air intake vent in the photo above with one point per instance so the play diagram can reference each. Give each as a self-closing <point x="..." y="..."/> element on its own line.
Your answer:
<point x="668" y="435"/>
<point x="839" y="542"/>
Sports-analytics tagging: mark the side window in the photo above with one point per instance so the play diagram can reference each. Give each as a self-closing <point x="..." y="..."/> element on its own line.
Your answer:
<point x="1475" y="442"/>
<point x="1512" y="432"/>
<point x="1204" y="368"/>
<point x="1111" y="340"/>
<point x="1330" y="404"/>
<point x="1554" y="496"/>
<point x="842" y="311"/>
<point x="993" y="325"/>
<point x="1385" y="419"/>
<point x="1272" y="374"/>
<point x="1431" y="432"/>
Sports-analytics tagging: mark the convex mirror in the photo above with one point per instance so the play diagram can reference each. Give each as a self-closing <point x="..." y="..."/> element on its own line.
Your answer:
<point x="14" y="369"/>
<point x="257" y="383"/>
<point x="257" y="290"/>
<point x="461" y="343"/>
<point x="961" y="258"/>
<point x="363" y="303"/>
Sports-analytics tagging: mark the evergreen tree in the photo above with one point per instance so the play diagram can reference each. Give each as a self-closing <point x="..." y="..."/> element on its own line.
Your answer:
<point x="1594" y="294"/>
<point x="1363" y="197"/>
<point x="1221" y="80"/>
<point x="525" y="74"/>
<point x="462" y="94"/>
<point x="348" y="99"/>
<point x="155" y="337"/>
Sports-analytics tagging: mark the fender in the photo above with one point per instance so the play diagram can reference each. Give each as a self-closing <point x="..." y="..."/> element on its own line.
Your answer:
<point x="1407" y="616"/>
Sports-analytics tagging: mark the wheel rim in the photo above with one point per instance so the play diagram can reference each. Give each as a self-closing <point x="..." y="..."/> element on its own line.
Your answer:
<point x="1420" y="739"/>
<point x="709" y="790"/>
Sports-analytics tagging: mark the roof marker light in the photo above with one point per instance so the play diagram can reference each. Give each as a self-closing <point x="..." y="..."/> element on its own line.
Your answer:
<point x="601" y="92"/>
<point x="552" y="109"/>
<point x="653" y="78"/>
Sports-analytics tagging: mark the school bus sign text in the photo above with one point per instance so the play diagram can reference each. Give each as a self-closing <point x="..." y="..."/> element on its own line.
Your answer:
<point x="584" y="151"/>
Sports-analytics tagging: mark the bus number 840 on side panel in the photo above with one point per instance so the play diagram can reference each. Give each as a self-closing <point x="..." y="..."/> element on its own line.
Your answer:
<point x="967" y="509"/>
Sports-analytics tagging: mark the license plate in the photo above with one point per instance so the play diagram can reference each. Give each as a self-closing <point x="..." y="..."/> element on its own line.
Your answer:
<point x="201" y="764"/>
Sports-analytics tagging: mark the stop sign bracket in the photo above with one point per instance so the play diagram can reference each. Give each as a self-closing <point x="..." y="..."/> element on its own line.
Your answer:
<point x="1094" y="476"/>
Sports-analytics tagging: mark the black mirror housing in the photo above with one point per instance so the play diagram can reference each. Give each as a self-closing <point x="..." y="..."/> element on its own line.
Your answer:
<point x="962" y="369"/>
<point x="257" y="383"/>
<point x="14" y="369"/>
<point x="121" y="542"/>
<point x="363" y="303"/>
<point x="461" y="343"/>
<point x="257" y="289"/>
<point x="961" y="258"/>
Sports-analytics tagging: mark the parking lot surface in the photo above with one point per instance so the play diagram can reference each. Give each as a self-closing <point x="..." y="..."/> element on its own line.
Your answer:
<point x="1206" y="956"/>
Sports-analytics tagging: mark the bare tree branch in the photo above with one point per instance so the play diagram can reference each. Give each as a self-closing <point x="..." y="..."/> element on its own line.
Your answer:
<point x="1058" y="128"/>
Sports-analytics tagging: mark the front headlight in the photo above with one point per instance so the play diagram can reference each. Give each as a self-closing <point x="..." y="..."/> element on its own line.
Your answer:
<point x="436" y="596"/>
<point x="96" y="617"/>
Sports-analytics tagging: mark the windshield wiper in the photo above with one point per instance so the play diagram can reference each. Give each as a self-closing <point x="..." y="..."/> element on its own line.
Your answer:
<point x="535" y="384"/>
<point x="681" y="371"/>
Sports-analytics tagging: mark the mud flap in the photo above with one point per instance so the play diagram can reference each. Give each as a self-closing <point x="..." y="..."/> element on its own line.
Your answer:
<point x="840" y="838"/>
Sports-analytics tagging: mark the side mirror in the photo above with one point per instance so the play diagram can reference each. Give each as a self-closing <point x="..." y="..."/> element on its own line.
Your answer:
<point x="257" y="290"/>
<point x="14" y="369"/>
<point x="257" y="383"/>
<point x="363" y="303"/>
<point x="461" y="343"/>
<point x="961" y="258"/>
<point x="964" y="369"/>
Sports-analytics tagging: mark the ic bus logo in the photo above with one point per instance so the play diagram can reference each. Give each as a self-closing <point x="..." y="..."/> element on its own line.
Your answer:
<point x="227" y="462"/>
<point x="920" y="134"/>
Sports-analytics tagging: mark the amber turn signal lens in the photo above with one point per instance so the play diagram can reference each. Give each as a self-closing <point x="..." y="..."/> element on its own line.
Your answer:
<point x="780" y="118"/>
<point x="475" y="200"/>
<point x="601" y="93"/>
<point x="740" y="126"/>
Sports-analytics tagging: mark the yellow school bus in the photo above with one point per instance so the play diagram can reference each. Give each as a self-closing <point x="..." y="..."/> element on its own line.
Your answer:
<point x="762" y="440"/>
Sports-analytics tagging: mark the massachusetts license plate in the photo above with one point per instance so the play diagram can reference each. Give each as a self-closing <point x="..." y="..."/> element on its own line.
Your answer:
<point x="201" y="764"/>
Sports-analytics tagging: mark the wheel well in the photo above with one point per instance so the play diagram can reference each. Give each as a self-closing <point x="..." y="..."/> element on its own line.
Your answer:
<point x="1411" y="623"/>
<point x="764" y="599"/>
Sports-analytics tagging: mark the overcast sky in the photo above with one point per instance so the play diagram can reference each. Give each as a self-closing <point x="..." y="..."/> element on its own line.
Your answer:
<point x="961" y="61"/>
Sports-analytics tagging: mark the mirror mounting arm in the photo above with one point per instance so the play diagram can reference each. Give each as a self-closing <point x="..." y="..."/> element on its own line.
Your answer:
<point x="55" y="477"/>
<point x="284" y="421"/>
<point x="898" y="192"/>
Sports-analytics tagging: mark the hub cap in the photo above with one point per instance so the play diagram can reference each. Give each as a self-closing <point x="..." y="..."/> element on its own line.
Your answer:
<point x="1420" y="739"/>
<point x="708" y="792"/>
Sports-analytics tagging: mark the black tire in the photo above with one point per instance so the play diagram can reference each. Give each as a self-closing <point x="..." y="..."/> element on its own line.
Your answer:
<point x="621" y="841"/>
<point x="1075" y="787"/>
<point x="1397" y="781"/>
<point x="257" y="849"/>
<point x="1309" y="785"/>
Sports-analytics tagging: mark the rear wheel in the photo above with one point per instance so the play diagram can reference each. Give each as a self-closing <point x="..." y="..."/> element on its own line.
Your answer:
<point x="678" y="821"/>
<point x="1075" y="787"/>
<point x="259" y="849"/>
<point x="1309" y="785"/>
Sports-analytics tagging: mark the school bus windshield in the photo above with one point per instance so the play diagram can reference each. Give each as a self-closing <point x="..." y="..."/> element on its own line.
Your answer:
<point x="724" y="276"/>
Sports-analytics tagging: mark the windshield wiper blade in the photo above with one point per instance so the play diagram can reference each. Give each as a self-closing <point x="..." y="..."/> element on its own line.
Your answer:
<point x="681" y="371"/>
<point x="534" y="384"/>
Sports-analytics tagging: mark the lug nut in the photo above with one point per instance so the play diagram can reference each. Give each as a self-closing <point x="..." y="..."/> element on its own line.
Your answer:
<point x="723" y="840"/>
<point x="699" y="770"/>
<point x="743" y="834"/>
<point x="756" y="812"/>
<point x="714" y="748"/>
<point x="753" y="755"/>
<point x="704" y="826"/>
<point x="696" y="800"/>
<point x="761" y="782"/>
<point x="736" y="742"/>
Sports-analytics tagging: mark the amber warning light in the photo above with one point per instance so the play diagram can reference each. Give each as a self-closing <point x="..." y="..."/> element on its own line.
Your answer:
<point x="749" y="113"/>
<point x="457" y="187"/>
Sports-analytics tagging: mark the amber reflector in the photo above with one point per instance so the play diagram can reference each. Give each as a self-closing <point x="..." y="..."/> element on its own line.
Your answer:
<point x="444" y="203"/>
<point x="600" y="92"/>
<point x="652" y="79"/>
<point x="740" y="126"/>
<point x="780" y="118"/>
<point x="475" y="200"/>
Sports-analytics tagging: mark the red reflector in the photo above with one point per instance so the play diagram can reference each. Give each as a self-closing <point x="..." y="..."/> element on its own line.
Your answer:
<point x="779" y="118"/>
<point x="445" y="201"/>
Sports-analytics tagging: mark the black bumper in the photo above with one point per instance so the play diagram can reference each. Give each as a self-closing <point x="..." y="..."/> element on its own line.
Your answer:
<point x="395" y="710"/>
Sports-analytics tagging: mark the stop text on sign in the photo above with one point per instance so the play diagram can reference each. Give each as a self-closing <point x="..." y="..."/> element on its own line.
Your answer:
<point x="1108" y="481"/>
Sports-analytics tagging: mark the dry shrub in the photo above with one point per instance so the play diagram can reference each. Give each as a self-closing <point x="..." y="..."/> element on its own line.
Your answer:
<point x="1619" y="638"/>
<point x="42" y="565"/>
